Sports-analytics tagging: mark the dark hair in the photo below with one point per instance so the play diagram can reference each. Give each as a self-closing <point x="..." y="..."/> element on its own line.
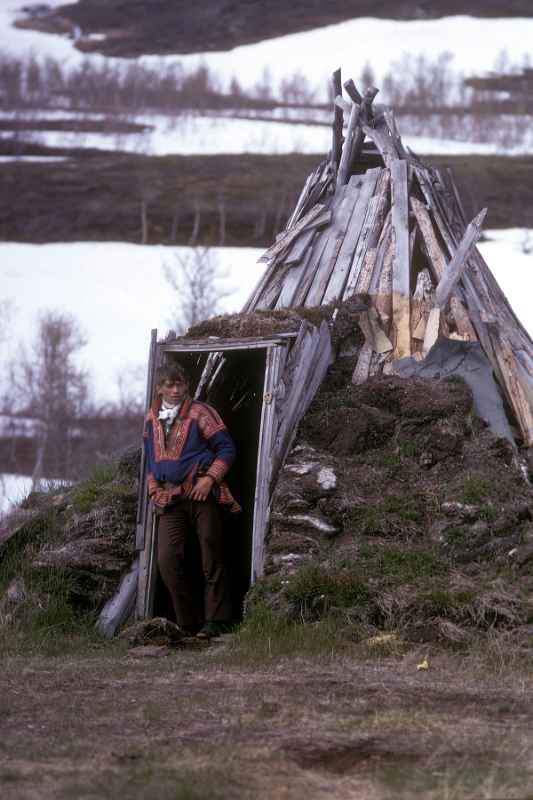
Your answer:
<point x="172" y="373"/>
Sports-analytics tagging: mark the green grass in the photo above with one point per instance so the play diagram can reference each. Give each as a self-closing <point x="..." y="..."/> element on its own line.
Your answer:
<point x="94" y="489"/>
<point x="476" y="490"/>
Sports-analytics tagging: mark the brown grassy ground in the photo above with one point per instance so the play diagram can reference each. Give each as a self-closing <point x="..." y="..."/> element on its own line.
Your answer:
<point x="240" y="722"/>
<point x="98" y="196"/>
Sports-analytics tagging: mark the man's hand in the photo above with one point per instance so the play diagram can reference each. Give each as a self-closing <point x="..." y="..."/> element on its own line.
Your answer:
<point x="202" y="488"/>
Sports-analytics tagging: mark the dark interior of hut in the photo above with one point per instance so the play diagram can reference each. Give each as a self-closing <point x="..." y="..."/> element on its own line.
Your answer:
<point x="237" y="394"/>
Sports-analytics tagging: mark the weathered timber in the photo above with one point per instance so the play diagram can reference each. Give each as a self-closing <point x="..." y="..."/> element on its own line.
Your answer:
<point x="362" y="367"/>
<point x="437" y="264"/>
<point x="359" y="189"/>
<point x="421" y="305"/>
<point x="338" y="117"/>
<point x="401" y="266"/>
<point x="288" y="237"/>
<point x="458" y="264"/>
<point x="431" y="333"/>
<point x="374" y="334"/>
<point x="342" y="210"/>
<point x="353" y="124"/>
<point x="352" y="92"/>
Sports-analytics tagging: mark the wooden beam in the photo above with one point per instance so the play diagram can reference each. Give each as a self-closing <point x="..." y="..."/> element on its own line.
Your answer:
<point x="345" y="161"/>
<point x="432" y="330"/>
<point x="338" y="118"/>
<point x="437" y="264"/>
<point x="459" y="262"/>
<point x="401" y="266"/>
<point x="352" y="92"/>
<point x="289" y="236"/>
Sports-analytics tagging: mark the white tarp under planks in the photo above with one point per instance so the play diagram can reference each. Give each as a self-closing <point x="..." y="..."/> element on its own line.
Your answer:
<point x="391" y="221"/>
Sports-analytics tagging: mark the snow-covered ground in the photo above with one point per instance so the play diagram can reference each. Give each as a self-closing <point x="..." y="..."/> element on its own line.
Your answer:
<point x="118" y="292"/>
<point x="13" y="489"/>
<point x="474" y="43"/>
<point x="205" y="135"/>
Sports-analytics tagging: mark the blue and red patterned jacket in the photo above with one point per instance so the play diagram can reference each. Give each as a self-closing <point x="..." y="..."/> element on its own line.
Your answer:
<point x="198" y="443"/>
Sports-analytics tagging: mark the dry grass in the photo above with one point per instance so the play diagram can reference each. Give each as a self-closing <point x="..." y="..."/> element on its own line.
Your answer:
<point x="211" y="724"/>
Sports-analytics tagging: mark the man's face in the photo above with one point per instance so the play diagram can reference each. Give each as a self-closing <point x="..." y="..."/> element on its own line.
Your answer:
<point x="173" y="392"/>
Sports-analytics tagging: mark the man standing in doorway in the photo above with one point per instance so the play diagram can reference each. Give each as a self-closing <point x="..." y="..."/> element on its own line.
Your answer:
<point x="188" y="453"/>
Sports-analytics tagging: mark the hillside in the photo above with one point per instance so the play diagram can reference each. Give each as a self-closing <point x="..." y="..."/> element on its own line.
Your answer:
<point x="137" y="27"/>
<point x="98" y="196"/>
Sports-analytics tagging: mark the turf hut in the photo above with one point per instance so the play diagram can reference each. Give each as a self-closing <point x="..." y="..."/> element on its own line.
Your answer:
<point x="377" y="264"/>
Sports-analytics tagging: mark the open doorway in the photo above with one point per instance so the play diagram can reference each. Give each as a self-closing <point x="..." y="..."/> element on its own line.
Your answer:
<point x="240" y="385"/>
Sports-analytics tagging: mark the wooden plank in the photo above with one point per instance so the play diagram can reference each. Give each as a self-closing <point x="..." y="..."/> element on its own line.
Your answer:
<point x="362" y="367"/>
<point x="374" y="334"/>
<point x="319" y="245"/>
<point x="383" y="295"/>
<point x="117" y="610"/>
<point x="515" y="390"/>
<point x="264" y="462"/>
<point x="379" y="134"/>
<point x="437" y="264"/>
<point x="432" y="330"/>
<point x="370" y="232"/>
<point x="457" y="265"/>
<point x="364" y="185"/>
<point x="401" y="267"/>
<point x="342" y="211"/>
<point x="287" y="238"/>
<point x="142" y="497"/>
<point x="292" y="281"/>
<point x="296" y="252"/>
<point x="421" y="305"/>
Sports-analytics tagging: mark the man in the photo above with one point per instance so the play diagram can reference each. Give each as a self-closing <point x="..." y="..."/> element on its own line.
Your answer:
<point x="188" y="453"/>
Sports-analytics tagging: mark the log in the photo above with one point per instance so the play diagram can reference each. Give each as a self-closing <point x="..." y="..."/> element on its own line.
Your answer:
<point x="338" y="118"/>
<point x="352" y="92"/>
<point x="457" y="265"/>
<point x="117" y="610"/>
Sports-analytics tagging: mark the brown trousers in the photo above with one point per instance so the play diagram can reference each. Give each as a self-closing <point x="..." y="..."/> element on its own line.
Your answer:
<point x="175" y="526"/>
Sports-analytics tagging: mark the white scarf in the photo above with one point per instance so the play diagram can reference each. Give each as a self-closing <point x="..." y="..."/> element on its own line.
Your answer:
<point x="168" y="414"/>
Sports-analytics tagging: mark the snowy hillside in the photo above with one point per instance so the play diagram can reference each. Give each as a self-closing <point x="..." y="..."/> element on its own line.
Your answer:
<point x="352" y="44"/>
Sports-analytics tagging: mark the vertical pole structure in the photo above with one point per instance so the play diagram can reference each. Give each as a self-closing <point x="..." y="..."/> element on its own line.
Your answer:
<point x="338" y="118"/>
<point x="274" y="362"/>
<point x="401" y="265"/>
<point x="144" y="541"/>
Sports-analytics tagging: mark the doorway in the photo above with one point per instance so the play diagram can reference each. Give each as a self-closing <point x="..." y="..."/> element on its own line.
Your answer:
<point x="239" y="378"/>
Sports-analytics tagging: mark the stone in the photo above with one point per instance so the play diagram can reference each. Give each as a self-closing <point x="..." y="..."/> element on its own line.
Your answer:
<point x="156" y="631"/>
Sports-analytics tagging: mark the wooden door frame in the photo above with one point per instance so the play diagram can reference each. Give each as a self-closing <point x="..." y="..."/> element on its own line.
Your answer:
<point x="277" y="348"/>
